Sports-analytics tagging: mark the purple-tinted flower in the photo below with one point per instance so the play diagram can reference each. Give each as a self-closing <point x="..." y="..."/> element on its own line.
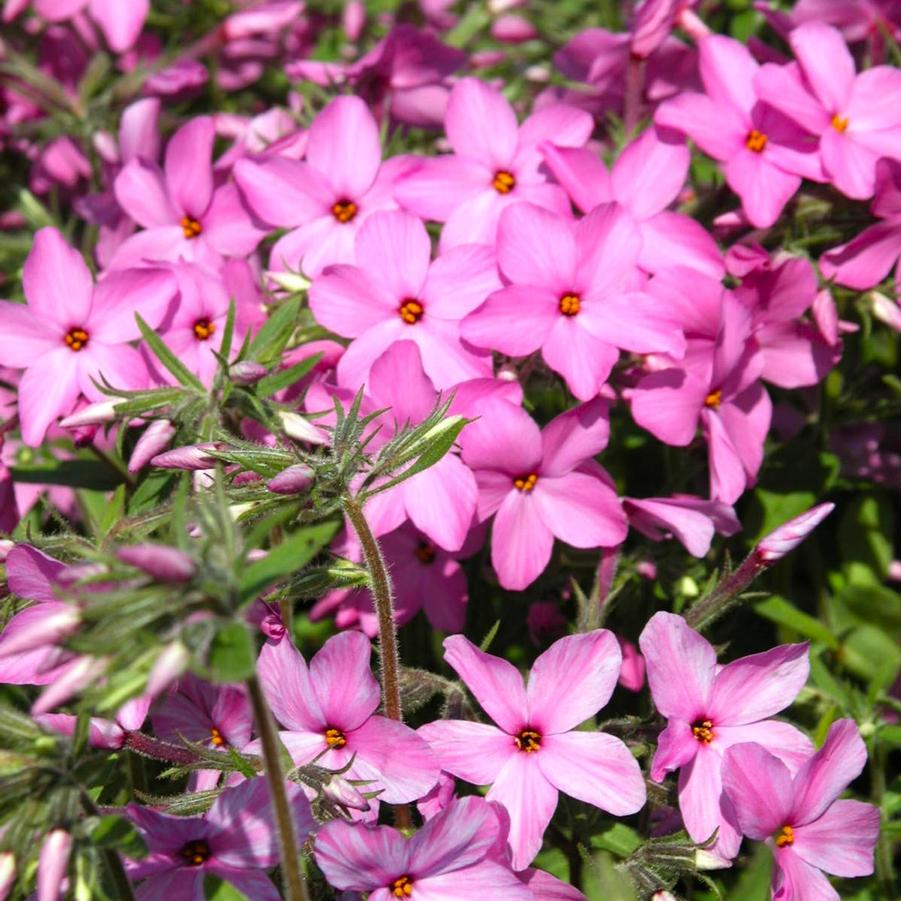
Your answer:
<point x="535" y="752"/>
<point x="799" y="817"/>
<point x="53" y="863"/>
<point x="692" y="520"/>
<point x="789" y="535"/>
<point x="165" y="564"/>
<point x="709" y="708"/>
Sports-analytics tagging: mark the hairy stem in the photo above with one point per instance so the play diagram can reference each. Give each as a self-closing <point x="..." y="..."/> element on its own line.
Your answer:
<point x="634" y="88"/>
<point x="147" y="746"/>
<point x="295" y="887"/>
<point x="384" y="608"/>
<point x="724" y="595"/>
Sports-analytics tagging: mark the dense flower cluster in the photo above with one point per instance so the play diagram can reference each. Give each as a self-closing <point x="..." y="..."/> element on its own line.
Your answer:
<point x="289" y="364"/>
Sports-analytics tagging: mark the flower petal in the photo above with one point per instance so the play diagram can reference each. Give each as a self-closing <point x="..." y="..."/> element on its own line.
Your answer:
<point x="474" y="752"/>
<point x="288" y="687"/>
<point x="342" y="679"/>
<point x="759" y="786"/>
<point x="841" y="841"/>
<point x="480" y="123"/>
<point x="360" y="858"/>
<point x="57" y="281"/>
<point x="521" y="543"/>
<point x="189" y="166"/>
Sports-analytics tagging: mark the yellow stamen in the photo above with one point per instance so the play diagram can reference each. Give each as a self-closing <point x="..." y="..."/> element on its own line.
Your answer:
<point x="334" y="738"/>
<point x="344" y="210"/>
<point x="703" y="731"/>
<point x="714" y="399"/>
<point x="402" y="887"/>
<point x="570" y="304"/>
<point x="528" y="741"/>
<point x="526" y="483"/>
<point x="203" y="328"/>
<point x="411" y="311"/>
<point x="216" y="738"/>
<point x="839" y="123"/>
<point x="76" y="338"/>
<point x="504" y="182"/>
<point x="756" y="140"/>
<point x="190" y="227"/>
<point x="195" y="853"/>
<point x="785" y="837"/>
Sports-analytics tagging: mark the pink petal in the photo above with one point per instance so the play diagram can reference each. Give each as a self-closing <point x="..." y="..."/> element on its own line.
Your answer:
<point x="719" y="131"/>
<point x="795" y="354"/>
<point x="228" y="225"/>
<point x="288" y="688"/>
<point x="565" y="126"/>
<point x="581" y="510"/>
<point x="782" y="88"/>
<point x="595" y="768"/>
<point x="355" y="364"/>
<point x="784" y="740"/>
<point x="31" y="573"/>
<point x="485" y="879"/>
<point x="693" y="528"/>
<point x="514" y="321"/>
<point x="649" y="174"/>
<point x="281" y="191"/>
<point x="397" y="380"/>
<point x="123" y="293"/>
<point x="480" y="123"/>
<point x="342" y="301"/>
<point x="47" y="392"/>
<point x="504" y="439"/>
<point x="121" y="22"/>
<point x="521" y="543"/>
<point x="668" y="404"/>
<point x="572" y="680"/>
<point x="704" y="806"/>
<point x="764" y="188"/>
<point x="673" y="239"/>
<point x="866" y="259"/>
<point x="397" y="246"/>
<point x="474" y="752"/>
<point x="760" y="685"/>
<point x="139" y="130"/>
<point x="436" y="186"/>
<point x="842" y="840"/>
<point x="460" y="280"/>
<point x="441" y="501"/>
<point x="747" y="420"/>
<point x="342" y="679"/>
<point x="583" y="359"/>
<point x="447" y="360"/>
<point x="574" y="436"/>
<point x="681" y="666"/>
<point x="827" y="63"/>
<point x="161" y="243"/>
<point x="826" y="775"/>
<point x="535" y="247"/>
<point x="360" y="858"/>
<point x="608" y="244"/>
<point x="759" y="786"/>
<point x="344" y="145"/>
<point x="873" y="106"/>
<point x="581" y="173"/>
<point x="727" y="70"/>
<point x="189" y="169"/>
<point x="493" y="490"/>
<point x="676" y="746"/>
<point x="794" y="879"/>
<point x="56" y="280"/>
<point x="25" y="335"/>
<point x="495" y="683"/>
<point x="530" y="800"/>
<point x="251" y="883"/>
<point x="119" y="365"/>
<point x="394" y="757"/>
<point x="141" y="191"/>
<point x="850" y="165"/>
<point x="635" y="322"/>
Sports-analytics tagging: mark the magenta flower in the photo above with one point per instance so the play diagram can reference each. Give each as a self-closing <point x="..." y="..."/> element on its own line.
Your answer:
<point x="448" y="859"/>
<point x="709" y="708"/>
<point x="764" y="154"/>
<point x="72" y="332"/>
<point x="646" y="179"/>
<point x="120" y="22"/>
<point x="542" y="484"/>
<point x="235" y="840"/>
<point x="533" y="752"/>
<point x="691" y="520"/>
<point x="570" y="295"/>
<point x="799" y="818"/>
<point x="329" y="709"/>
<point x="856" y="116"/>
<point x="495" y="163"/>
<point x="183" y="212"/>
<point x="396" y="293"/>
<point x="325" y="199"/>
<point x="103" y="733"/>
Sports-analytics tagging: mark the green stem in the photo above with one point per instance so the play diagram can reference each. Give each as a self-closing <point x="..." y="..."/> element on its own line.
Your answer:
<point x="111" y="859"/>
<point x="295" y="887"/>
<point x="884" y="867"/>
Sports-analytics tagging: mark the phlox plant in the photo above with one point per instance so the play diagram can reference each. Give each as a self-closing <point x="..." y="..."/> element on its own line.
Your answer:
<point x="450" y="450"/>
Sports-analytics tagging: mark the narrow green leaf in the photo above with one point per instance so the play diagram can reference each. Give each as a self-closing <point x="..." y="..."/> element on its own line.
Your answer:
<point x="228" y="332"/>
<point x="272" y="337"/>
<point x="168" y="358"/>
<point x="492" y="632"/>
<point x="232" y="654"/>
<point x="283" y="378"/>
<point x="90" y="474"/>
<point x="779" y="610"/>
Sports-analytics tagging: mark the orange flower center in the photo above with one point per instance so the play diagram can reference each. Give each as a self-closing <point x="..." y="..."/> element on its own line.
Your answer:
<point x="216" y="738"/>
<point x="190" y="227"/>
<point x="344" y="210"/>
<point x="703" y="731"/>
<point x="402" y="887"/>
<point x="76" y="338"/>
<point x="570" y="304"/>
<point x="195" y="853"/>
<point x="714" y="399"/>
<point x="839" y="123"/>
<point x="756" y="140"/>
<point x="528" y="741"/>
<point x="503" y="182"/>
<point x="203" y="328"/>
<point x="526" y="483"/>
<point x="425" y="552"/>
<point x="411" y="311"/>
<point x="334" y="738"/>
<point x="785" y="837"/>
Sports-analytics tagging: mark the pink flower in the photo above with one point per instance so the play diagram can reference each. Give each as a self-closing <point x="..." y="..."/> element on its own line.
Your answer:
<point x="856" y="116"/>
<point x="448" y="859"/>
<point x="235" y="841"/>
<point x="646" y="179"/>
<point x="71" y="333"/>
<point x="799" y="818"/>
<point x="570" y="295"/>
<point x="184" y="214"/>
<point x="53" y="864"/>
<point x="789" y="535"/>
<point x="764" y="153"/>
<point x="495" y="163"/>
<point x="396" y="293"/>
<point x="709" y="708"/>
<point x="542" y="484"/>
<point x="103" y="733"/>
<point x="329" y="709"/>
<point x="325" y="199"/>
<point x="691" y="520"/>
<point x="120" y="22"/>
<point x="533" y="752"/>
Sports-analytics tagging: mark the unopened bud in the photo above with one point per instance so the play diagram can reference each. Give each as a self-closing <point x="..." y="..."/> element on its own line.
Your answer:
<point x="7" y="874"/>
<point x="886" y="309"/>
<point x="82" y="673"/>
<point x="707" y="860"/>
<point x="290" y="281"/>
<point x="294" y="480"/>
<point x="165" y="564"/>
<point x="171" y="663"/>
<point x="247" y="372"/>
<point x="789" y="535"/>
<point x="301" y="429"/>
<point x="342" y="792"/>
<point x="191" y="457"/>
<point x="52" y="864"/>
<point x="56" y="622"/>
<point x="92" y="414"/>
<point x="156" y="437"/>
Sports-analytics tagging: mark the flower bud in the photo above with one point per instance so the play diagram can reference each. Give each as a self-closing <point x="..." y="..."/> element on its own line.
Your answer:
<point x="247" y="372"/>
<point x="294" y="480"/>
<point x="789" y="535"/>
<point x="886" y="309"/>
<point x="164" y="564"/>
<point x="59" y="622"/>
<point x="190" y="457"/>
<point x="82" y="673"/>
<point x="342" y="792"/>
<point x="353" y="19"/>
<point x="171" y="663"/>
<point x="301" y="429"/>
<point x="52" y="864"/>
<point x="7" y="874"/>
<point x="290" y="281"/>
<point x="156" y="436"/>
<point x="706" y="860"/>
<point x="92" y="414"/>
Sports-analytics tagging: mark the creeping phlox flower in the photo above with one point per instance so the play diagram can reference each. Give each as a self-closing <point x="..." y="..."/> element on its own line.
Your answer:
<point x="236" y="841"/>
<point x="710" y="708"/>
<point x="799" y="817"/>
<point x="328" y="712"/>
<point x="72" y="333"/>
<point x="535" y="752"/>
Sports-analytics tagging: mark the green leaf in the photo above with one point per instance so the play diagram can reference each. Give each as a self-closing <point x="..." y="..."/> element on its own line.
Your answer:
<point x="781" y="611"/>
<point x="618" y="839"/>
<point x="269" y="384"/>
<point x="272" y="337"/>
<point x="91" y="474"/>
<point x="232" y="655"/>
<point x="168" y="358"/>
<point x="229" y="332"/>
<point x="286" y="558"/>
<point x="489" y="638"/>
<point x="120" y="834"/>
<point x="153" y="490"/>
<point x="217" y="889"/>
